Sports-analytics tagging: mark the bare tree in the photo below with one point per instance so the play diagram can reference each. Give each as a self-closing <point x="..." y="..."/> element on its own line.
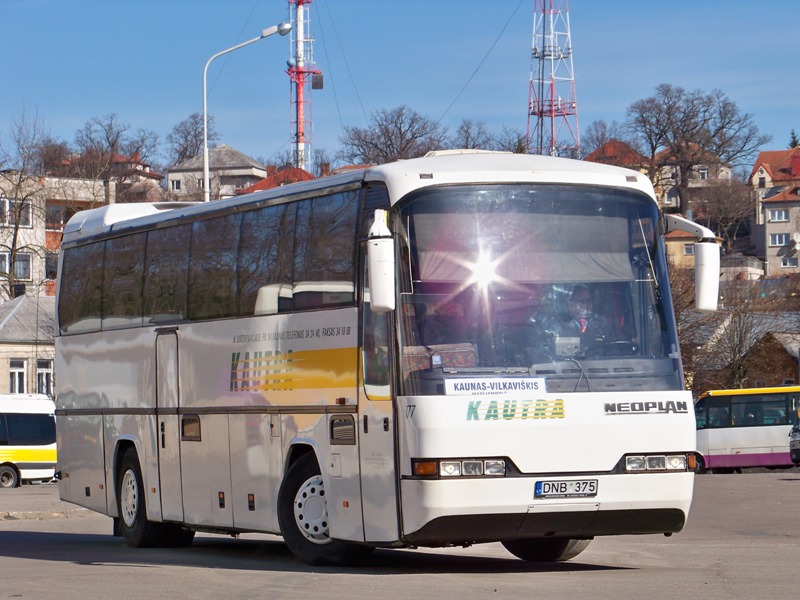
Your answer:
<point x="21" y="204"/>
<point x="727" y="205"/>
<point x="600" y="132"/>
<point x="511" y="140"/>
<point x="472" y="135"/>
<point x="694" y="128"/>
<point x="110" y="152"/>
<point x="391" y="135"/>
<point x="724" y="358"/>
<point x="186" y="138"/>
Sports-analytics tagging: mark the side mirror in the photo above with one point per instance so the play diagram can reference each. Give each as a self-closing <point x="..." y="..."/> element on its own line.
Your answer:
<point x="380" y="255"/>
<point x="706" y="261"/>
<point x="706" y="275"/>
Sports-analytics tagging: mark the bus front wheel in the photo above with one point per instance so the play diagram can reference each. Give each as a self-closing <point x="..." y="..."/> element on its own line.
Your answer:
<point x="136" y="529"/>
<point x="9" y="478"/>
<point x="546" y="549"/>
<point x="303" y="518"/>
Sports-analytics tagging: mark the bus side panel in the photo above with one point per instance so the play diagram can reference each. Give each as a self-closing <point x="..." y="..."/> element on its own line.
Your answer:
<point x="338" y="465"/>
<point x="206" y="474"/>
<point x="742" y="447"/>
<point x="256" y="467"/>
<point x="81" y="461"/>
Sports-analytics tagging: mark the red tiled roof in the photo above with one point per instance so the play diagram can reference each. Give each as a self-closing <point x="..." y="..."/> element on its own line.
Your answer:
<point x="790" y="194"/>
<point x="290" y="175"/>
<point x="778" y="164"/>
<point x="615" y="152"/>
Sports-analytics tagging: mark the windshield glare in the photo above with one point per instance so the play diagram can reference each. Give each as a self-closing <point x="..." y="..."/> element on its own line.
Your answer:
<point x="565" y="283"/>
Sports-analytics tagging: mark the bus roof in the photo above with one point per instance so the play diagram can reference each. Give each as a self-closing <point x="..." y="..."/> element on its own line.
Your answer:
<point x="401" y="177"/>
<point x="747" y="391"/>
<point x="26" y="403"/>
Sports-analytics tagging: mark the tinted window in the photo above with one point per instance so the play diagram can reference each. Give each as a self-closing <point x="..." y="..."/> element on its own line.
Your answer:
<point x="30" y="430"/>
<point x="81" y="288"/>
<point x="166" y="268"/>
<point x="122" y="284"/>
<point x="212" y="275"/>
<point x="265" y="260"/>
<point x="325" y="243"/>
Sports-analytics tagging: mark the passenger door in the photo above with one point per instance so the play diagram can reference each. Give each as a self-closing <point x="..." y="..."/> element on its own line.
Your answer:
<point x="167" y="419"/>
<point x="377" y="425"/>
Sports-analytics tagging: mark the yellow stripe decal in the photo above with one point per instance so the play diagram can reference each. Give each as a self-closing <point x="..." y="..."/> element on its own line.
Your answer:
<point x="18" y="454"/>
<point x="308" y="369"/>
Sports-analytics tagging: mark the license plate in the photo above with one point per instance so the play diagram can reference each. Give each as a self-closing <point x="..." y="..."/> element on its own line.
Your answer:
<point x="570" y="488"/>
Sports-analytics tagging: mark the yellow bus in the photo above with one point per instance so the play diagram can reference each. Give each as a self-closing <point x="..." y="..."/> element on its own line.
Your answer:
<point x="27" y="439"/>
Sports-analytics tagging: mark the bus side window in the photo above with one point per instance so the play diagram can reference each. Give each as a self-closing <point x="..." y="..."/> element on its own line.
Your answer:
<point x="719" y="416"/>
<point x="3" y="431"/>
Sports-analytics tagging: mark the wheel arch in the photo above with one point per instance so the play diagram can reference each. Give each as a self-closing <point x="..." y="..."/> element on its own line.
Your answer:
<point x="299" y="448"/>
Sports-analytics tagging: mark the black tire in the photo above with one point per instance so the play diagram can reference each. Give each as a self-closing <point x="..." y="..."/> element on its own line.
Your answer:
<point x="303" y="518"/>
<point x="701" y="465"/>
<point x="136" y="529"/>
<point x="546" y="549"/>
<point x="9" y="477"/>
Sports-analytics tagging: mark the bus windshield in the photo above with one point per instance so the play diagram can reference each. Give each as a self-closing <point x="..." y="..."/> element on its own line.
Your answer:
<point x="562" y="282"/>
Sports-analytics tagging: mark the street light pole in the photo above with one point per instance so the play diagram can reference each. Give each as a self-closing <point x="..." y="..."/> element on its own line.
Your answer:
<point x="283" y="29"/>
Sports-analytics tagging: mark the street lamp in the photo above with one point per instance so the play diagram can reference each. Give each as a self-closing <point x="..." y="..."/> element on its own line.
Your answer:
<point x="282" y="29"/>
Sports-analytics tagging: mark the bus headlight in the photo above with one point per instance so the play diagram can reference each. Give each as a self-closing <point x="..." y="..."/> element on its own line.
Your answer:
<point x="637" y="463"/>
<point x="451" y="468"/>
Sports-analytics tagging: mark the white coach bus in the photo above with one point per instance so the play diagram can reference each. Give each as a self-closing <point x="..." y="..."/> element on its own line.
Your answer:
<point x="384" y="358"/>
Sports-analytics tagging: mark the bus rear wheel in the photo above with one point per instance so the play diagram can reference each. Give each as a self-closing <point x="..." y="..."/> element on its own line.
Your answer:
<point x="303" y="518"/>
<point x="546" y="549"/>
<point x="134" y="526"/>
<point x="9" y="478"/>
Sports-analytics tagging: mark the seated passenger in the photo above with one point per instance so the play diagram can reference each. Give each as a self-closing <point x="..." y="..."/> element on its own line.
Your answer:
<point x="577" y="330"/>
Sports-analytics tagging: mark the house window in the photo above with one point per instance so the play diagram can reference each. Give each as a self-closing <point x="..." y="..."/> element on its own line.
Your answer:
<point x="780" y="215"/>
<point x="22" y="265"/>
<point x="15" y="212"/>
<point x="702" y="172"/>
<point x="175" y="185"/>
<point x="44" y="377"/>
<point x="201" y="185"/>
<point x="789" y="262"/>
<point x="51" y="265"/>
<point x="762" y="182"/>
<point x="778" y="239"/>
<point x="17" y="379"/>
<point x="688" y="249"/>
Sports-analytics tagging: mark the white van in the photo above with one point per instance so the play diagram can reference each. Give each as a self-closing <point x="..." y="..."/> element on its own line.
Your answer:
<point x="27" y="439"/>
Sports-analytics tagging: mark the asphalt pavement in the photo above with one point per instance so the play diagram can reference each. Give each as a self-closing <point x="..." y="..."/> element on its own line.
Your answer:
<point x="38" y="501"/>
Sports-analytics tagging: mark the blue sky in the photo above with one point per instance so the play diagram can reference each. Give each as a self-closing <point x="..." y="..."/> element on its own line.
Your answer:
<point x="68" y="61"/>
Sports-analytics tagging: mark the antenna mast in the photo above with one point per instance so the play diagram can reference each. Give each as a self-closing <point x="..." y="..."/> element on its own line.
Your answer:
<point x="552" y="107"/>
<point x="301" y="71"/>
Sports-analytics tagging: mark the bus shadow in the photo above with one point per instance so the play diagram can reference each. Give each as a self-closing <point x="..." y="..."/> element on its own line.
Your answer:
<point x="256" y="555"/>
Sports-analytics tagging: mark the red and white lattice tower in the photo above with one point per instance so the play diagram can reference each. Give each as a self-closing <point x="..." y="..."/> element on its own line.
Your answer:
<point x="305" y="76"/>
<point x="552" y="106"/>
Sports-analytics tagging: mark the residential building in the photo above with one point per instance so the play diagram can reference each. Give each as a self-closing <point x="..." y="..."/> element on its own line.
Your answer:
<point x="27" y="345"/>
<point x="708" y="171"/>
<point x="22" y="238"/>
<point x="776" y="232"/>
<point x="229" y="172"/>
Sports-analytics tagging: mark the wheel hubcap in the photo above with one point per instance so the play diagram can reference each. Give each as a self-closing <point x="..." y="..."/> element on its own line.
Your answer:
<point x="129" y="498"/>
<point x="311" y="511"/>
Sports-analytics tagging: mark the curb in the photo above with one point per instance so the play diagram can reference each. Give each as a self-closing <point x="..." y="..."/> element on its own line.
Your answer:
<point x="42" y="515"/>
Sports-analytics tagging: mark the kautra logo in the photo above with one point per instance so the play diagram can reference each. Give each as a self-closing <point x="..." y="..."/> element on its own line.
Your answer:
<point x="493" y="410"/>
